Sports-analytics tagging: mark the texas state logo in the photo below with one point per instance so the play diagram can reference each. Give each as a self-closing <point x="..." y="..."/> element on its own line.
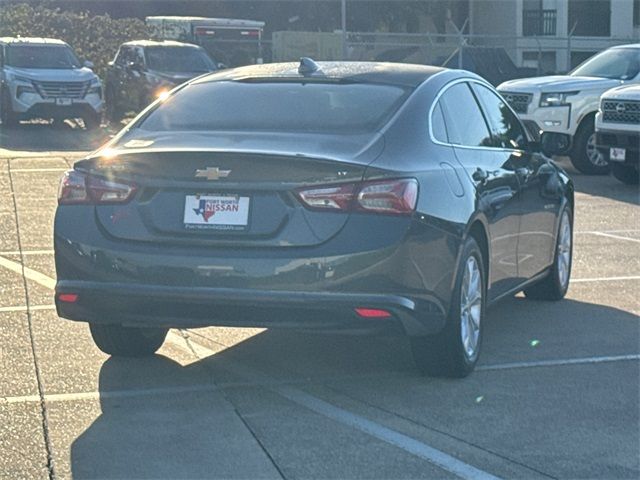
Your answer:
<point x="208" y="208"/>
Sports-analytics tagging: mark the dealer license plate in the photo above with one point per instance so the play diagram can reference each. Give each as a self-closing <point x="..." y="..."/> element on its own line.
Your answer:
<point x="63" y="102"/>
<point x="217" y="212"/>
<point x="617" y="154"/>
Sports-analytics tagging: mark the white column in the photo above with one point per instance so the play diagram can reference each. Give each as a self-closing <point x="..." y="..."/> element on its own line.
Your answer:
<point x="622" y="19"/>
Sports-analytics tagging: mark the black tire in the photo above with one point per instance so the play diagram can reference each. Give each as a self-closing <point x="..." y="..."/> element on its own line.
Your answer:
<point x="627" y="174"/>
<point x="444" y="354"/>
<point x="7" y="115"/>
<point x="583" y="143"/>
<point x="553" y="287"/>
<point x="120" y="341"/>
<point x="91" y="121"/>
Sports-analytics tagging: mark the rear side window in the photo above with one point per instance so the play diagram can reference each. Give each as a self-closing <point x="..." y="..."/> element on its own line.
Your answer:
<point x="506" y="129"/>
<point x="464" y="121"/>
<point x="438" y="126"/>
<point x="280" y="106"/>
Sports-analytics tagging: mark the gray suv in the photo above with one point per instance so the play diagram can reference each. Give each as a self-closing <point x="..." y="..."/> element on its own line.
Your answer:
<point x="43" y="78"/>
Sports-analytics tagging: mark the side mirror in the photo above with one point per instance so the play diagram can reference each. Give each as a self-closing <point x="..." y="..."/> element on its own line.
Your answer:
<point x="221" y="66"/>
<point x="136" y="67"/>
<point x="88" y="64"/>
<point x="552" y="143"/>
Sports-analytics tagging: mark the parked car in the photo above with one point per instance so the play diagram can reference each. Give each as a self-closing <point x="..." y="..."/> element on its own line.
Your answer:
<point x="618" y="132"/>
<point x="337" y="196"/>
<point x="43" y="78"/>
<point x="144" y="69"/>
<point x="568" y="104"/>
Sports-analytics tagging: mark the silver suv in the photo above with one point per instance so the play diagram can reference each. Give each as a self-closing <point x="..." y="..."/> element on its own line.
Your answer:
<point x="43" y="78"/>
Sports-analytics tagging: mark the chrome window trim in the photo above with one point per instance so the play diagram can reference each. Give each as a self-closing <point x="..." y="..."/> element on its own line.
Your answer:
<point x="467" y="147"/>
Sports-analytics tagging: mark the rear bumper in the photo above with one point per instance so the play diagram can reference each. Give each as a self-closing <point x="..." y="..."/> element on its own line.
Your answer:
<point x="407" y="267"/>
<point x="183" y="307"/>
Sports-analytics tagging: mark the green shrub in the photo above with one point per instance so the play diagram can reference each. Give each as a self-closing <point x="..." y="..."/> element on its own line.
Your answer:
<point x="94" y="38"/>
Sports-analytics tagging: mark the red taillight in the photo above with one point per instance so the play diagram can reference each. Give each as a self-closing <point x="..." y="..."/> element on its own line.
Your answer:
<point x="72" y="188"/>
<point x="396" y="197"/>
<point x="68" y="297"/>
<point x="372" y="313"/>
<point x="333" y="197"/>
<point x="103" y="191"/>
<point x="77" y="188"/>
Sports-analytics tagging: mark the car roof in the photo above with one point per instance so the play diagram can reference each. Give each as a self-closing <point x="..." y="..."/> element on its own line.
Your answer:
<point x="628" y="45"/>
<point x="158" y="43"/>
<point x="401" y="74"/>
<point x="31" y="41"/>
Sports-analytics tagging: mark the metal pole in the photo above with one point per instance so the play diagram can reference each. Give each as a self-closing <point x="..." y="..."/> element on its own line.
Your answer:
<point x="569" y="45"/>
<point x="344" y="29"/>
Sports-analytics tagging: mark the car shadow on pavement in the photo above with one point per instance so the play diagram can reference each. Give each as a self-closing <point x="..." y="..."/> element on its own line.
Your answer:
<point x="601" y="185"/>
<point x="43" y="137"/>
<point x="173" y="430"/>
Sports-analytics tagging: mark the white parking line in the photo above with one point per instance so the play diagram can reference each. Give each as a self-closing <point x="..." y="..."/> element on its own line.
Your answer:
<point x="37" y="277"/>
<point x="142" y="392"/>
<point x="24" y="308"/>
<point x="626" y="230"/>
<point x="556" y="363"/>
<point x="606" y="279"/>
<point x="21" y="170"/>
<point x="27" y="252"/>
<point x="610" y="235"/>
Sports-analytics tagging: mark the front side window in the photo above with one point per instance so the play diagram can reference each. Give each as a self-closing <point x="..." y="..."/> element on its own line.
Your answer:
<point x="124" y="56"/>
<point x="618" y="63"/>
<point x="178" y="59"/>
<point x="464" y="121"/>
<point x="41" y="56"/>
<point x="505" y="128"/>
<point x="313" y="107"/>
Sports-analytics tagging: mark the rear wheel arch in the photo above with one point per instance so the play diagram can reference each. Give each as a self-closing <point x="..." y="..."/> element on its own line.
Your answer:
<point x="478" y="231"/>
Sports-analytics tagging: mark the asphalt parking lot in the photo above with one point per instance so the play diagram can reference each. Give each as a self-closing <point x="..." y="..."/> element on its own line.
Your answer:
<point x="557" y="394"/>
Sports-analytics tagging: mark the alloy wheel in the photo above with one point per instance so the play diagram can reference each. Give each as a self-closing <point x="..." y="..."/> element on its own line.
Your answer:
<point x="471" y="307"/>
<point x="594" y="156"/>
<point x="564" y="250"/>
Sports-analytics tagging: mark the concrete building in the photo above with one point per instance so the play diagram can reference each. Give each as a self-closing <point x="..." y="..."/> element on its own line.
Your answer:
<point x="554" y="35"/>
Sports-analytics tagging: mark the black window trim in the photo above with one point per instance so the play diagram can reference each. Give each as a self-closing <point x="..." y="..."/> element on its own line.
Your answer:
<point x="488" y="121"/>
<point x="469" y="147"/>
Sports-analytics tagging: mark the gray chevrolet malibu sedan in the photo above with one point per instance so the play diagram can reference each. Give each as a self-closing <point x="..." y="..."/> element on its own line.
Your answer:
<point x="360" y="197"/>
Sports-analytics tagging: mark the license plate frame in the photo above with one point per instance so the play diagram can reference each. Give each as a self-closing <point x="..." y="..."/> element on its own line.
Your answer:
<point x="64" y="102"/>
<point x="617" y="154"/>
<point x="212" y="211"/>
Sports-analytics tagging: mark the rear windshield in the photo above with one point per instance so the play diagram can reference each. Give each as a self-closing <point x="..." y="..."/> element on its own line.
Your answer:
<point x="41" y="56"/>
<point x="289" y="106"/>
<point x="178" y="59"/>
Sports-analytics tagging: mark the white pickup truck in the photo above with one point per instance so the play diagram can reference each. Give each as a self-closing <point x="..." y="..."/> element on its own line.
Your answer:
<point x="618" y="132"/>
<point x="567" y="104"/>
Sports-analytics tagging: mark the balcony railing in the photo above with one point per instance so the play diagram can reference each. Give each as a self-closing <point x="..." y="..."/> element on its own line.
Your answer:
<point x="539" y="22"/>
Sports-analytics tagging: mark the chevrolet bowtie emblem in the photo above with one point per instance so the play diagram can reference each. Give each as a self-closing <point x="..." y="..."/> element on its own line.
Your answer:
<point x="212" y="173"/>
